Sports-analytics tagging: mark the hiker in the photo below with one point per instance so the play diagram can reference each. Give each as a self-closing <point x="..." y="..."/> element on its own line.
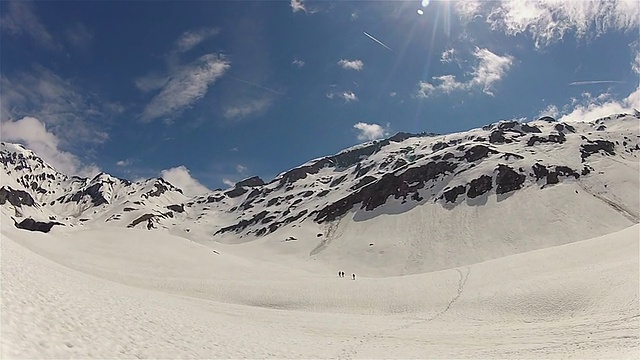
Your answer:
<point x="339" y="273"/>
<point x="342" y="274"/>
<point x="353" y="276"/>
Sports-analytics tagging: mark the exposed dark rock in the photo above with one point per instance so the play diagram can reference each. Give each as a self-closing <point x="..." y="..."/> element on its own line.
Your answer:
<point x="567" y="171"/>
<point x="452" y="194"/>
<point x="439" y="146"/>
<point x="400" y="162"/>
<point x="93" y="192"/>
<point x="273" y="201"/>
<point x="595" y="146"/>
<point x="235" y="192"/>
<point x="508" y="179"/>
<point x="359" y="171"/>
<point x="251" y="182"/>
<point x="15" y="197"/>
<point x="479" y="186"/>
<point x="33" y="225"/>
<point x="508" y="155"/>
<point x="447" y="156"/>
<point x="179" y="208"/>
<point x="540" y="171"/>
<point x="127" y="209"/>
<point x="145" y="217"/>
<point x="214" y="198"/>
<point x="555" y="138"/>
<point x="243" y="224"/>
<point x="530" y="128"/>
<point x="376" y="193"/>
<point x="306" y="193"/>
<point x="338" y="180"/>
<point x="323" y="193"/>
<point x="547" y="119"/>
<point x="497" y="137"/>
<point x="478" y="152"/>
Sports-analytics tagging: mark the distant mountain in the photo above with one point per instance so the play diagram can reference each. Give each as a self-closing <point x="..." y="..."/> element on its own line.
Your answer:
<point x="530" y="184"/>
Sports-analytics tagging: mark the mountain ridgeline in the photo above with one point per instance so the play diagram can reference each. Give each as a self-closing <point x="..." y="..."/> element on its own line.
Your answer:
<point x="477" y="169"/>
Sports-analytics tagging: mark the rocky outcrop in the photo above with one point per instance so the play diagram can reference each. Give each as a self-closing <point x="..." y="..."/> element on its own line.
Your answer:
<point x="250" y="182"/>
<point x="479" y="186"/>
<point x="595" y="146"/>
<point x="508" y="180"/>
<point x="33" y="225"/>
<point x="15" y="197"/>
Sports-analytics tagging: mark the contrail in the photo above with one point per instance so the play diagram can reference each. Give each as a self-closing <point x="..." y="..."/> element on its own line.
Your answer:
<point x="378" y="41"/>
<point x="256" y="85"/>
<point x="596" y="82"/>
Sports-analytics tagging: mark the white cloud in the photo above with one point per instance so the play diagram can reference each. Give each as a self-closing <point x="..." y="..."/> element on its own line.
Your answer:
<point x="635" y="65"/>
<point x="241" y="169"/>
<point x="297" y="5"/>
<point x="370" y="131"/>
<point x="550" y="110"/>
<point x="447" y="56"/>
<point x="190" y="39"/>
<point x="228" y="182"/>
<point x="21" y="18"/>
<point x="248" y="107"/>
<point x="34" y="135"/>
<point x="547" y="21"/>
<point x="349" y="96"/>
<point x="351" y="64"/>
<point x="490" y="69"/>
<point x="74" y="114"/>
<point x="186" y="85"/>
<point x="181" y="177"/>
<point x="393" y="94"/>
<point x="297" y="62"/>
<point x="125" y="162"/>
<point x="589" y="107"/>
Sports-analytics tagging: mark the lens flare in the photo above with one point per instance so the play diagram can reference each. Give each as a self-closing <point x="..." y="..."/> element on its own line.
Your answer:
<point x="420" y="12"/>
<point x="425" y="3"/>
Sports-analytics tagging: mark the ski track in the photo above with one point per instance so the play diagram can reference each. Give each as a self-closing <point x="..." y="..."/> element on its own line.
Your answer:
<point x="351" y="351"/>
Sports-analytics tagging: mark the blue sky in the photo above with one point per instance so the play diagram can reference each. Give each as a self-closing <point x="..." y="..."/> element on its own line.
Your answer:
<point x="207" y="93"/>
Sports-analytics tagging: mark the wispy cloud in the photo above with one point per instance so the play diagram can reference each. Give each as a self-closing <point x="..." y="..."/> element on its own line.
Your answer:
<point x="490" y="69"/>
<point x="248" y="107"/>
<point x="635" y="64"/>
<point x="297" y="62"/>
<point x="447" y="56"/>
<point x="297" y="5"/>
<point x="125" y="162"/>
<point x="351" y="64"/>
<point x="34" y="134"/>
<point x="187" y="85"/>
<point x="181" y="177"/>
<point x="347" y="96"/>
<point x="377" y="41"/>
<point x="75" y="115"/>
<point x="21" y="19"/>
<point x="228" y="182"/>
<point x="547" y="21"/>
<point x="588" y="107"/>
<point x="370" y="131"/>
<point x="190" y="39"/>
<point x="79" y="35"/>
<point x="393" y="94"/>
<point x="591" y="82"/>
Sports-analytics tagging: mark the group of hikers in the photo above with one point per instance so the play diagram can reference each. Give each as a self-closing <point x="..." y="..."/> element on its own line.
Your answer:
<point x="341" y="274"/>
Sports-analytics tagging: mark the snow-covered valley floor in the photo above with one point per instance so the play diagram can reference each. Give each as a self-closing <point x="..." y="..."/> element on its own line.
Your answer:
<point x="136" y="294"/>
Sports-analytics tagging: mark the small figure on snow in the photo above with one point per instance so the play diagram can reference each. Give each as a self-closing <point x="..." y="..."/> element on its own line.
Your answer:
<point x="353" y="276"/>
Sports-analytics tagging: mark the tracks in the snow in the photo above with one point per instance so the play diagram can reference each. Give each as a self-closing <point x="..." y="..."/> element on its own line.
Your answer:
<point x="350" y="351"/>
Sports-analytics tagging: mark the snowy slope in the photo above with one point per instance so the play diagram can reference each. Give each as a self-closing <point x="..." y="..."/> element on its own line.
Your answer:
<point x="133" y="293"/>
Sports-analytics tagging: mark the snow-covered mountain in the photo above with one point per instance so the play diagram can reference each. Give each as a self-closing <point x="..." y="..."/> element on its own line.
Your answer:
<point x="522" y="185"/>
